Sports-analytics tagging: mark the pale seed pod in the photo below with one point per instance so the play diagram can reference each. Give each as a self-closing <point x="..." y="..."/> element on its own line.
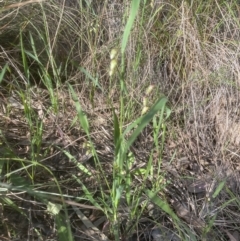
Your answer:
<point x="113" y="53"/>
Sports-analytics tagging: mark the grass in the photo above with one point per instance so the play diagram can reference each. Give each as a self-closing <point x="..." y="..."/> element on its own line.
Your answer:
<point x="119" y="121"/>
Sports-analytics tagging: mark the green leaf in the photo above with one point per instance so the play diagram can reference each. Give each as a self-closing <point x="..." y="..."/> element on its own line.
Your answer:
<point x="11" y="204"/>
<point x="219" y="188"/>
<point x="94" y="80"/>
<point x="116" y="130"/>
<point x="24" y="59"/>
<point x="63" y="228"/>
<point x="162" y="204"/>
<point x="88" y="194"/>
<point x="160" y="105"/>
<point x="18" y="181"/>
<point x="3" y="71"/>
<point x="119" y="191"/>
<point x="80" y="166"/>
<point x="133" y="13"/>
<point x="81" y="115"/>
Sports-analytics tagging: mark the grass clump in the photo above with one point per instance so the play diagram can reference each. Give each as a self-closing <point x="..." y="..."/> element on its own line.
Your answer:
<point x="119" y="120"/>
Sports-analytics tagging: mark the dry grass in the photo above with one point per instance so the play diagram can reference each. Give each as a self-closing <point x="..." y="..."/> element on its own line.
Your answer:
<point x="184" y="172"/>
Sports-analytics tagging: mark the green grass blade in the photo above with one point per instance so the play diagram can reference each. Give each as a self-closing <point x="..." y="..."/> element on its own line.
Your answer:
<point x="160" y="105"/>
<point x="219" y="189"/>
<point x="82" y="117"/>
<point x="8" y="202"/>
<point x="116" y="136"/>
<point x="94" y="80"/>
<point x="77" y="163"/>
<point x="63" y="228"/>
<point x="35" y="56"/>
<point x="133" y="13"/>
<point x="162" y="204"/>
<point x="24" y="59"/>
<point x="88" y="194"/>
<point x="3" y="71"/>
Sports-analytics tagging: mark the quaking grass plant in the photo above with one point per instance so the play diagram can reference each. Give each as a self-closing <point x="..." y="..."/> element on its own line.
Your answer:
<point x="122" y="180"/>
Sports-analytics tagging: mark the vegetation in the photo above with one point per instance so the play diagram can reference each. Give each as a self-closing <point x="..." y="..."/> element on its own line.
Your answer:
<point x="119" y="120"/>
